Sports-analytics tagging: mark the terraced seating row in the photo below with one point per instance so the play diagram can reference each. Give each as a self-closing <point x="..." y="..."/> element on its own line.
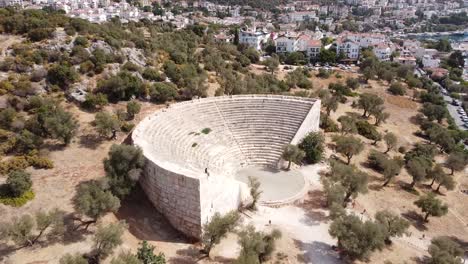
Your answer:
<point x="245" y="130"/>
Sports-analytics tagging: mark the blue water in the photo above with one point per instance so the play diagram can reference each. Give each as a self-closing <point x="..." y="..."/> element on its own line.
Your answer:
<point x="452" y="37"/>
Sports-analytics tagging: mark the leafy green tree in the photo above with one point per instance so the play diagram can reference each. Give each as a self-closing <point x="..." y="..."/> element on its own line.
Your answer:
<point x="357" y="239"/>
<point x="445" y="180"/>
<point x="127" y="257"/>
<point x="256" y="247"/>
<point x="95" y="101"/>
<point x="292" y="153"/>
<point x="434" y="112"/>
<point x="396" y="88"/>
<point x="27" y="141"/>
<point x="133" y="108"/>
<point x="81" y="41"/>
<point x="352" y="83"/>
<point x="153" y="75"/>
<point x="351" y="179"/>
<point x="456" y="161"/>
<point x="444" y="250"/>
<point x="61" y="125"/>
<point x="348" y="146"/>
<point x="27" y="230"/>
<point x="255" y="193"/>
<point x="163" y="92"/>
<point x="123" y="167"/>
<point x="217" y="229"/>
<point x="106" y="124"/>
<point x="431" y="206"/>
<point x="456" y="60"/>
<point x="107" y="238"/>
<point x="329" y="102"/>
<point x="122" y="86"/>
<point x="18" y="182"/>
<point x="391" y="140"/>
<point x="390" y="168"/>
<point x="368" y="102"/>
<point x="394" y="226"/>
<point x="295" y="58"/>
<point x="435" y="173"/>
<point x="418" y="168"/>
<point x="62" y="75"/>
<point x="379" y="115"/>
<point x="93" y="201"/>
<point x="7" y="116"/>
<point x="327" y="56"/>
<point x="313" y="146"/>
<point x="73" y="259"/>
<point x="271" y="64"/>
<point x="348" y="125"/>
<point x="146" y="254"/>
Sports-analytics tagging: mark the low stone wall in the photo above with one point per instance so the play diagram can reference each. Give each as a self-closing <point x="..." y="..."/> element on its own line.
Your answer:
<point x="176" y="196"/>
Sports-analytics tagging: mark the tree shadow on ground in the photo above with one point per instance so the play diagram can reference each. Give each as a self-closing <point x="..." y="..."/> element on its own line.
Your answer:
<point x="316" y="252"/>
<point x="145" y="222"/>
<point x="314" y="206"/>
<point x="52" y="145"/>
<point x="90" y="141"/>
<point x="6" y="250"/>
<point x="415" y="219"/>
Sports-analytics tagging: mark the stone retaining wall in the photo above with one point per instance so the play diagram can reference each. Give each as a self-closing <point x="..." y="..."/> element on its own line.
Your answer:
<point x="176" y="196"/>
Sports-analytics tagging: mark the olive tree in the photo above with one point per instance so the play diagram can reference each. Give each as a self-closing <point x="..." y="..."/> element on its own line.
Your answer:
<point x="350" y="178"/>
<point x="456" y="161"/>
<point x="313" y="146"/>
<point x="106" y="124"/>
<point x="444" y="250"/>
<point x="123" y="167"/>
<point x="368" y="102"/>
<point x="107" y="238"/>
<point x="348" y="146"/>
<point x="93" y="201"/>
<point x="391" y="140"/>
<point x="292" y="153"/>
<point x="256" y="246"/>
<point x="431" y="206"/>
<point x="217" y="229"/>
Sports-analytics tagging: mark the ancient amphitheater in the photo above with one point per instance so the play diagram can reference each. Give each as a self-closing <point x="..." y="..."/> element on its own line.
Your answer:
<point x="222" y="135"/>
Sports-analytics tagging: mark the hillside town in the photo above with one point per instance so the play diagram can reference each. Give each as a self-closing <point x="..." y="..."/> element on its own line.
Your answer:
<point x="233" y="131"/>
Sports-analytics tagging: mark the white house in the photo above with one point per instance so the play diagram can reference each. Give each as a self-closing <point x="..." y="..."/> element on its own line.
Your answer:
<point x="302" y="16"/>
<point x="348" y="47"/>
<point x="365" y="40"/>
<point x="382" y="51"/>
<point x="430" y="62"/>
<point x="253" y="38"/>
<point x="313" y="48"/>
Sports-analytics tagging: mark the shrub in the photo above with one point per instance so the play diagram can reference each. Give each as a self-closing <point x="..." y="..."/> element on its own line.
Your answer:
<point x="327" y="124"/>
<point x="133" y="108"/>
<point x="163" y="92"/>
<point x="127" y="127"/>
<point x="402" y="150"/>
<point x="367" y="130"/>
<point x="324" y="74"/>
<point x="18" y="183"/>
<point x="17" y="201"/>
<point x="312" y="145"/>
<point x="13" y="164"/>
<point x="206" y="130"/>
<point x="151" y="74"/>
<point x="397" y="88"/>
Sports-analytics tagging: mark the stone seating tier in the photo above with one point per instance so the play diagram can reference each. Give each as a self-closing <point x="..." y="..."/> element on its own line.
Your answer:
<point x="245" y="130"/>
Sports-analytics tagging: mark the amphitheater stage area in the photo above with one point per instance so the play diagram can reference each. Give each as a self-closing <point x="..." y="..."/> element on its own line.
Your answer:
<point x="277" y="186"/>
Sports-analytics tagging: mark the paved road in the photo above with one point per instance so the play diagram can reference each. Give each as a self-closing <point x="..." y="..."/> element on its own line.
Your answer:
<point x="452" y="109"/>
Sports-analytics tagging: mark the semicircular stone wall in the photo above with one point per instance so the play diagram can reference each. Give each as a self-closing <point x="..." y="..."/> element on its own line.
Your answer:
<point x="219" y="135"/>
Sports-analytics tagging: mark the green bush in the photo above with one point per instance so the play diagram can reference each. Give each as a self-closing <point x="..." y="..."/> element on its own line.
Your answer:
<point x="127" y="127"/>
<point x="17" y="201"/>
<point x="206" y="130"/>
<point x="327" y="124"/>
<point x="397" y="88"/>
<point x="367" y="130"/>
<point x="18" y="183"/>
<point x="312" y="145"/>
